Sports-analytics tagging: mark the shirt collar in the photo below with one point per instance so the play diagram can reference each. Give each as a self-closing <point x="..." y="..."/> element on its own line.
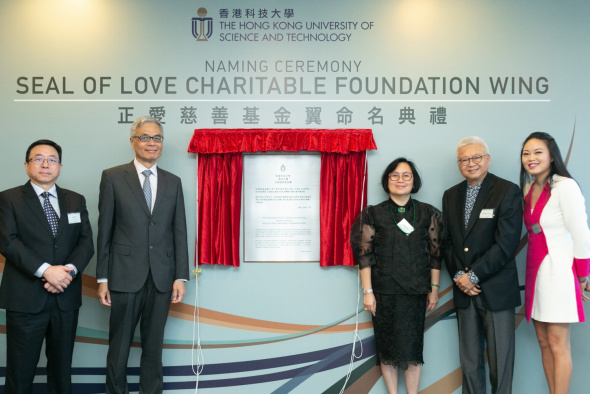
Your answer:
<point x="141" y="168"/>
<point x="476" y="187"/>
<point x="38" y="189"/>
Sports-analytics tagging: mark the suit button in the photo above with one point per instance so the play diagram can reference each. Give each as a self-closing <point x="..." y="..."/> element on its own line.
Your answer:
<point x="151" y="247"/>
<point x="466" y="250"/>
<point x="152" y="223"/>
<point x="56" y="246"/>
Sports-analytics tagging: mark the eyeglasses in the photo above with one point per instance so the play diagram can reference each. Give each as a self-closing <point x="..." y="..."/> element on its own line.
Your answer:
<point x="40" y="160"/>
<point x="474" y="159"/>
<point x="147" y="138"/>
<point x="406" y="176"/>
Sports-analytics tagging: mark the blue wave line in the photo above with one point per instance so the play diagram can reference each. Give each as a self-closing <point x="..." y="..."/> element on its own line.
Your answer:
<point x="337" y="358"/>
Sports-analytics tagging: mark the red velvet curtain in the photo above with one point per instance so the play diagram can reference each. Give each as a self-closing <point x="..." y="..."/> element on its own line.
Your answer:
<point x="281" y="140"/>
<point x="220" y="193"/>
<point x="220" y="185"/>
<point x="343" y="187"/>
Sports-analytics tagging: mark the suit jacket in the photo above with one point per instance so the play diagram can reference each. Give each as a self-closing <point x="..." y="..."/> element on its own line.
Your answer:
<point x="487" y="247"/>
<point x="26" y="242"/>
<point x="131" y="240"/>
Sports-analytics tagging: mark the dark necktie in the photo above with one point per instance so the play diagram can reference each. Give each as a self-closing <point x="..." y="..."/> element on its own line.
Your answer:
<point x="52" y="217"/>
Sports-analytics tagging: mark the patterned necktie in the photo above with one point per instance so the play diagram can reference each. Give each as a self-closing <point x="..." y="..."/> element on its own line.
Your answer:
<point x="52" y="217"/>
<point x="147" y="189"/>
<point x="470" y="198"/>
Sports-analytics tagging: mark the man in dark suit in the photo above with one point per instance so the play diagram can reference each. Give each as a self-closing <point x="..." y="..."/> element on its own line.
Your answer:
<point x="142" y="255"/>
<point x="46" y="239"/>
<point x="483" y="218"/>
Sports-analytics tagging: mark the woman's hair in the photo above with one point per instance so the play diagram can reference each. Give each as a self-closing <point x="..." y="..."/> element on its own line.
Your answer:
<point x="392" y="166"/>
<point x="557" y="164"/>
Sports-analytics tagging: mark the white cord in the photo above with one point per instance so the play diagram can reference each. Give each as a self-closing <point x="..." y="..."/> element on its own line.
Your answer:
<point x="196" y="325"/>
<point x="200" y="358"/>
<point x="356" y="336"/>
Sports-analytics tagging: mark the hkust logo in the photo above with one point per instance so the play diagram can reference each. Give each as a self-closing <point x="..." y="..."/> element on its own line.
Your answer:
<point x="202" y="26"/>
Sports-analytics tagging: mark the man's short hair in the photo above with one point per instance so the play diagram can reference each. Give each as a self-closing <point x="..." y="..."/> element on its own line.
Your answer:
<point x="145" y="119"/>
<point x="471" y="141"/>
<point x="43" y="142"/>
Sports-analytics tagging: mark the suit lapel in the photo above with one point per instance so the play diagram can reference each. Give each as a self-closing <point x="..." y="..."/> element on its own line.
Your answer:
<point x="63" y="220"/>
<point x="32" y="200"/>
<point x="132" y="180"/>
<point x="460" y="205"/>
<point x="483" y="196"/>
<point x="162" y="184"/>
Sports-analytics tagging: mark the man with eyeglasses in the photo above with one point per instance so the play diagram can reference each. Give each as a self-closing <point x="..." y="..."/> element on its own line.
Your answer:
<point x="142" y="259"/>
<point x="483" y="218"/>
<point x="46" y="238"/>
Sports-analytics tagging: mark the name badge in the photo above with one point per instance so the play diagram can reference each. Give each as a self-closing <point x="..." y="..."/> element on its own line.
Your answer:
<point x="536" y="228"/>
<point x="406" y="227"/>
<point x="74" y="217"/>
<point x="486" y="213"/>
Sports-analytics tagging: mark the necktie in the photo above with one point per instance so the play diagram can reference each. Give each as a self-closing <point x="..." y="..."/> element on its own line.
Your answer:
<point x="147" y="189"/>
<point x="52" y="217"/>
<point x="469" y="204"/>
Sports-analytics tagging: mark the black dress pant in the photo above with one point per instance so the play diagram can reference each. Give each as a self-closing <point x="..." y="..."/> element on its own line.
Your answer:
<point x="25" y="333"/>
<point x="151" y="307"/>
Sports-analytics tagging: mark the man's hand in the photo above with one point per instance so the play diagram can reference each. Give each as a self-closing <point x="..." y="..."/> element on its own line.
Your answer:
<point x="57" y="278"/>
<point x="466" y="285"/>
<point x="104" y="296"/>
<point x="475" y="291"/>
<point x="50" y="288"/>
<point x="178" y="291"/>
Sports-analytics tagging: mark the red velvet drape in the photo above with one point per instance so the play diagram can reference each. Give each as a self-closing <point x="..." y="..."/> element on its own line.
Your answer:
<point x="220" y="193"/>
<point x="220" y="185"/>
<point x="343" y="187"/>
<point x="281" y="140"/>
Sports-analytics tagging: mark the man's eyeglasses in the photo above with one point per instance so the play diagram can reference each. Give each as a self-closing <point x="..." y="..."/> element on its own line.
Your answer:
<point x="40" y="160"/>
<point x="147" y="138"/>
<point x="406" y="176"/>
<point x="474" y="159"/>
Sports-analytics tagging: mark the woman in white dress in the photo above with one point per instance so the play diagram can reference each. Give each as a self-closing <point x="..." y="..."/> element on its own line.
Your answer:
<point x="558" y="254"/>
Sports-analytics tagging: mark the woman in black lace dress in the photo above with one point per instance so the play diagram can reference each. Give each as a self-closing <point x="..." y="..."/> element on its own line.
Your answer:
<point x="397" y="245"/>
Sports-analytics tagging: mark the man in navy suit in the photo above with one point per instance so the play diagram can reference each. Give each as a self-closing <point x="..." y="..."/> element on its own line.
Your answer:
<point x="46" y="238"/>
<point x="483" y="218"/>
<point x="142" y="255"/>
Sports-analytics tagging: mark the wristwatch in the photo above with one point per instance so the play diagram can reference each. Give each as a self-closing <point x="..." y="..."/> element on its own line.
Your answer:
<point x="368" y="291"/>
<point x="73" y="273"/>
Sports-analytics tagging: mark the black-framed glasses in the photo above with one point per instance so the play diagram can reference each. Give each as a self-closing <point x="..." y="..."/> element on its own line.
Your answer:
<point x="40" y="160"/>
<point x="147" y="138"/>
<point x="406" y="176"/>
<point x="474" y="159"/>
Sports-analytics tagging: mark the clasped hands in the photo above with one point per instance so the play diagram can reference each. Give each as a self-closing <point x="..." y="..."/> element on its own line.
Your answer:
<point x="57" y="278"/>
<point x="467" y="286"/>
